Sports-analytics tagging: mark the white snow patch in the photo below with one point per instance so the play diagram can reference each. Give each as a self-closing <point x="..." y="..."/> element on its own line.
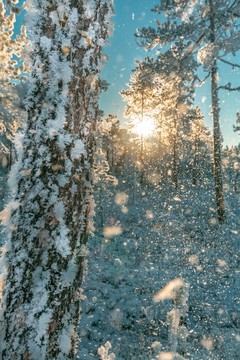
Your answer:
<point x="89" y="7"/>
<point x="46" y="43"/>
<point x="69" y="275"/>
<point x="62" y="241"/>
<point x="65" y="342"/>
<point x="59" y="211"/>
<point x="43" y="324"/>
<point x="78" y="149"/>
<point x="5" y="215"/>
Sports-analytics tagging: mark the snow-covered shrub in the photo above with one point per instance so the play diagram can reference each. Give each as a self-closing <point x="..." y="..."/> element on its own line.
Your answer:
<point x="103" y="352"/>
<point x="177" y="290"/>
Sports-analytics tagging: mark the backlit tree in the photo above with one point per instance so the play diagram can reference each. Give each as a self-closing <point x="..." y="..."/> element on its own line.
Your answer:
<point x="210" y="28"/>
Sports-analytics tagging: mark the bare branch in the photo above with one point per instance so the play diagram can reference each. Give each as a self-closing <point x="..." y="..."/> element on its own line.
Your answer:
<point x="229" y="63"/>
<point x="231" y="11"/>
<point x="203" y="80"/>
<point x="229" y="88"/>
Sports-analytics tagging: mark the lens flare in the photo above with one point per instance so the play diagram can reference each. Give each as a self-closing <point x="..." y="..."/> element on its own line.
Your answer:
<point x="144" y="127"/>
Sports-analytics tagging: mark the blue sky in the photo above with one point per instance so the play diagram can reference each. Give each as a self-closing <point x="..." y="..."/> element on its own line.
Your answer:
<point x="123" y="51"/>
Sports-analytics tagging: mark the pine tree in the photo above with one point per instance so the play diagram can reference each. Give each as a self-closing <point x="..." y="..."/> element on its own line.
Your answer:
<point x="231" y="167"/>
<point x="212" y="29"/>
<point x="237" y="126"/>
<point x="142" y="102"/>
<point x="162" y="88"/>
<point x="142" y="93"/>
<point x="199" y="149"/>
<point x="50" y="217"/>
<point x="109" y="131"/>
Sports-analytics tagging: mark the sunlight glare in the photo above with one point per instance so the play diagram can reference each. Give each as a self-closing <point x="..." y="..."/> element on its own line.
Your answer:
<point x="144" y="127"/>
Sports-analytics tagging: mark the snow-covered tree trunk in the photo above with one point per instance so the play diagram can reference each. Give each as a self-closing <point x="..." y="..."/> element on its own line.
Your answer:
<point x="175" y="148"/>
<point x="217" y="146"/>
<point x="217" y="161"/>
<point x="49" y="218"/>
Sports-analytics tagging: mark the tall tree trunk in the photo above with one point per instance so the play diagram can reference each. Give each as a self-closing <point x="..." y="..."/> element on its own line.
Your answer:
<point x="216" y="126"/>
<point x="175" y="149"/>
<point x="142" y="170"/>
<point x="50" y="214"/>
<point x="194" y="180"/>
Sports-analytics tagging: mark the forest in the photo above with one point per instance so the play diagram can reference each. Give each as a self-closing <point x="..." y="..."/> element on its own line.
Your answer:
<point x="119" y="234"/>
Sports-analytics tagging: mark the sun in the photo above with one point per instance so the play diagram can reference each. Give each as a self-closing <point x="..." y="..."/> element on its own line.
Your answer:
<point x="144" y="127"/>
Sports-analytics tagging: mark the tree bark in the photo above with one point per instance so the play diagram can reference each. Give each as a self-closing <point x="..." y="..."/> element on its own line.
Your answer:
<point x="194" y="180"/>
<point x="51" y="212"/>
<point x="216" y="126"/>
<point x="175" y="155"/>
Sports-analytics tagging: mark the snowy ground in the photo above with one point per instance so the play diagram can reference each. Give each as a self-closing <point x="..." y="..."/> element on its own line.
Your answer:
<point x="163" y="238"/>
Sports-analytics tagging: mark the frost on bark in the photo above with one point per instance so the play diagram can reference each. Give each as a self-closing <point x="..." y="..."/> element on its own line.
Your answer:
<point x="49" y="218"/>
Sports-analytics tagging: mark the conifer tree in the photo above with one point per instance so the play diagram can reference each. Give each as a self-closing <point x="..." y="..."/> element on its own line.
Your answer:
<point x="200" y="147"/>
<point x="109" y="131"/>
<point x="162" y="88"/>
<point x="236" y="127"/>
<point x="211" y="28"/>
<point x="49" y="218"/>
